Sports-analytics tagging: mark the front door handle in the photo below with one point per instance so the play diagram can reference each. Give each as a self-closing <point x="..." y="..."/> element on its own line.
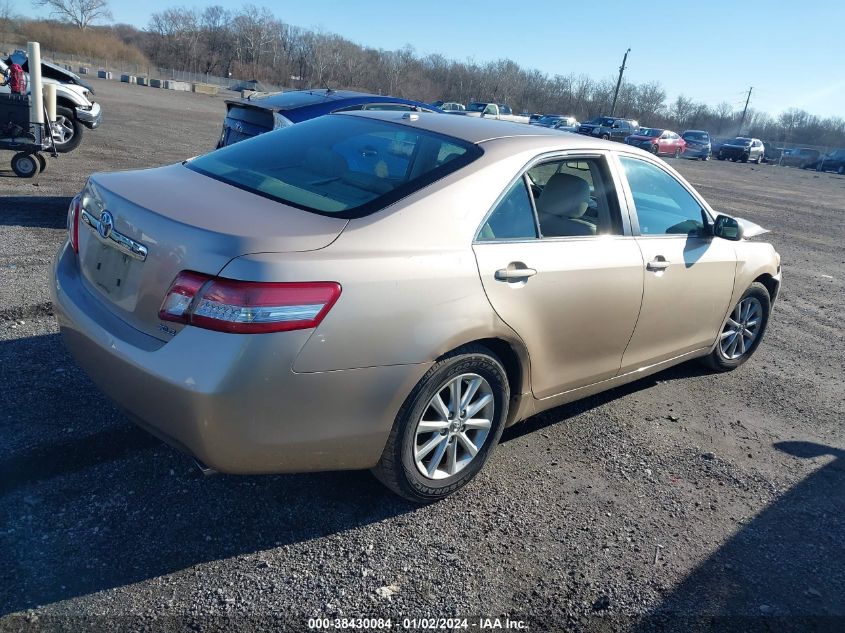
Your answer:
<point x="658" y="263"/>
<point x="514" y="272"/>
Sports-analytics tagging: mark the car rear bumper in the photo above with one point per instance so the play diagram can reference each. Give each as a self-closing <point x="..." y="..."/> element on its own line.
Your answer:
<point x="232" y="401"/>
<point x="90" y="118"/>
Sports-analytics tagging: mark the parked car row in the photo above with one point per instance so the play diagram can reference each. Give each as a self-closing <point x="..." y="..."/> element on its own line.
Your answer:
<point x="256" y="114"/>
<point x="834" y="161"/>
<point x="557" y="122"/>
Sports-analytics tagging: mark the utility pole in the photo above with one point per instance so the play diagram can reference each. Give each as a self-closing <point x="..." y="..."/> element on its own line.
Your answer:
<point x="744" y="111"/>
<point x="619" y="83"/>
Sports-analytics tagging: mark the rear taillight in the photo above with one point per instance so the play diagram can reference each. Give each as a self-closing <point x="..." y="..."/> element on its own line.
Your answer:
<point x="247" y="307"/>
<point x="73" y="224"/>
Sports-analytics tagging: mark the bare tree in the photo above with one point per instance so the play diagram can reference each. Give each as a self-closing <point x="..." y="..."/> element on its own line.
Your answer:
<point x="80" y="13"/>
<point x="7" y="14"/>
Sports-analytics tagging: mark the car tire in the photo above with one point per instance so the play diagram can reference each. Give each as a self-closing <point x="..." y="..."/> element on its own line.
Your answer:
<point x="724" y="357"/>
<point x="25" y="165"/>
<point x="71" y="130"/>
<point x="677" y="152"/>
<point x="655" y="149"/>
<point x="720" y="157"/>
<point x="403" y="461"/>
<point x="759" y="159"/>
<point x="42" y="163"/>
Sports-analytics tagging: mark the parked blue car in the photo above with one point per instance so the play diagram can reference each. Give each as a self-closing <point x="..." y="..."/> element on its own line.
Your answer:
<point x="255" y="115"/>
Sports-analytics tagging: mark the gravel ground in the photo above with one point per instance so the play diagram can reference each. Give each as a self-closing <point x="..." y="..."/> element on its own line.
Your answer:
<point x="685" y="501"/>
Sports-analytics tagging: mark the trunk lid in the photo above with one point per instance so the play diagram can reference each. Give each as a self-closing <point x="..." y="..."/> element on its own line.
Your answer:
<point x="185" y="221"/>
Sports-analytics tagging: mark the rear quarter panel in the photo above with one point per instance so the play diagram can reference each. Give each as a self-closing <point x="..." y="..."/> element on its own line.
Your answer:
<point x="411" y="287"/>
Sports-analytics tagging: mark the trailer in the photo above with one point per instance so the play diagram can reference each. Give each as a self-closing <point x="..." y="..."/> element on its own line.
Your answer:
<point x="26" y="121"/>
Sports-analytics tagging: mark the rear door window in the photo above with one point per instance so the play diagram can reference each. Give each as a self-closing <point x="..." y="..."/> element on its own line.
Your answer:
<point x="575" y="197"/>
<point x="513" y="217"/>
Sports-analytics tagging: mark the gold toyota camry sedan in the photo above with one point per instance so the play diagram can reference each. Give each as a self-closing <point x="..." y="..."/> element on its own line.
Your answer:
<point x="388" y="291"/>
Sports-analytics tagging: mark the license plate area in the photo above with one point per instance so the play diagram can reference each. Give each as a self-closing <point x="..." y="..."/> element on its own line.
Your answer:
<point x="110" y="272"/>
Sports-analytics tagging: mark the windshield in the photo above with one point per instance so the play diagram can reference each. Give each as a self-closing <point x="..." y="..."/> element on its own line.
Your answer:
<point x="651" y="132"/>
<point x="741" y="141"/>
<point x="339" y="165"/>
<point x="696" y="136"/>
<point x="476" y="106"/>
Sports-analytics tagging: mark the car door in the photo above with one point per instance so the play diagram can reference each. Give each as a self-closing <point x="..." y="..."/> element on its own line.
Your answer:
<point x="619" y="133"/>
<point x="664" y="143"/>
<point x="677" y="142"/>
<point x="559" y="265"/>
<point x="689" y="275"/>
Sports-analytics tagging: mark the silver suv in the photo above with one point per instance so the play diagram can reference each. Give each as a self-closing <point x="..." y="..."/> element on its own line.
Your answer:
<point x="75" y="106"/>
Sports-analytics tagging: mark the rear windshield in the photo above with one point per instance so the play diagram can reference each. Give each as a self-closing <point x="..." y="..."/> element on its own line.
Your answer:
<point x="650" y="132"/>
<point x="339" y="165"/>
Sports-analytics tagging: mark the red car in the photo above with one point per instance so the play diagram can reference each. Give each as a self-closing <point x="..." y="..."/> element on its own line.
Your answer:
<point x="658" y="141"/>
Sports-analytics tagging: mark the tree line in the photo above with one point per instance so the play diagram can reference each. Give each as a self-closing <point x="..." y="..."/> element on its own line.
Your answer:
<point x="252" y="43"/>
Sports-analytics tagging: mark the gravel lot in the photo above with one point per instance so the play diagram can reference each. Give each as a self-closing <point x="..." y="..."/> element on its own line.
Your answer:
<point x="683" y="501"/>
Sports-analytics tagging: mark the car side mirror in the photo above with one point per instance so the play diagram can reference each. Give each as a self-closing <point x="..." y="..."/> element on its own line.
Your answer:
<point x="727" y="228"/>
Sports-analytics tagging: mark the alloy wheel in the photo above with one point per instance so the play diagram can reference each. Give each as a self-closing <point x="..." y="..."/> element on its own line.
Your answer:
<point x="63" y="130"/>
<point x="741" y="328"/>
<point x="454" y="426"/>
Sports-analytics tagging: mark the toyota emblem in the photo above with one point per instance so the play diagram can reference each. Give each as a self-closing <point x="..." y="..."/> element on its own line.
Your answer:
<point x="106" y="224"/>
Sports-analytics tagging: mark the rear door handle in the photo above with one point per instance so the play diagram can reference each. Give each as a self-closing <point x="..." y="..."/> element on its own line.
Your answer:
<point x="658" y="263"/>
<point x="512" y="273"/>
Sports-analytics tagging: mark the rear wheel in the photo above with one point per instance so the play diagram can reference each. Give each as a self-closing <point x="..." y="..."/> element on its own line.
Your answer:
<point x="742" y="331"/>
<point x="655" y="149"/>
<point x="42" y="162"/>
<point x="447" y="428"/>
<point x="25" y="165"/>
<point x="677" y="152"/>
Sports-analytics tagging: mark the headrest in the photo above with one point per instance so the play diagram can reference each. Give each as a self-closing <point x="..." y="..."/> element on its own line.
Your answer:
<point x="564" y="195"/>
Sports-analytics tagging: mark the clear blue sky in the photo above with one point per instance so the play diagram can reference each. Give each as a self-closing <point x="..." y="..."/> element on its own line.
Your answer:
<point x="711" y="51"/>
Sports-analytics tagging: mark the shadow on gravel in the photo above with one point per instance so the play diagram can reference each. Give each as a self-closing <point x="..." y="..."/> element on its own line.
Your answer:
<point x="49" y="212"/>
<point x="103" y="504"/>
<point x="684" y="371"/>
<point x="783" y="571"/>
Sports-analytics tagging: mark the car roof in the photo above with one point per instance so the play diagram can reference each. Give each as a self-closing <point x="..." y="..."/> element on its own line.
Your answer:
<point x="477" y="130"/>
